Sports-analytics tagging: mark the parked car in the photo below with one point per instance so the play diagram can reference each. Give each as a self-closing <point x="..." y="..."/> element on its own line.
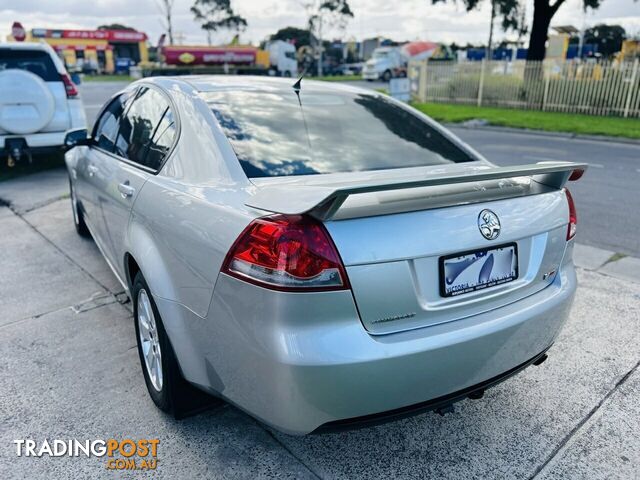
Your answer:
<point x="352" y="68"/>
<point x="38" y="101"/>
<point x="319" y="255"/>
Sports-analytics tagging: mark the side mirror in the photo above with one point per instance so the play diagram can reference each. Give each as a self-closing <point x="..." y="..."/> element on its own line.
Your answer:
<point x="76" y="138"/>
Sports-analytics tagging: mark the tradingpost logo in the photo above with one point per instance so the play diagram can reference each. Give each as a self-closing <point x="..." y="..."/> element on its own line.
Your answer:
<point x="124" y="454"/>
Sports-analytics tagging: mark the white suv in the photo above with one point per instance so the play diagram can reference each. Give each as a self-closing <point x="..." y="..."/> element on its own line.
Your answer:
<point x="38" y="101"/>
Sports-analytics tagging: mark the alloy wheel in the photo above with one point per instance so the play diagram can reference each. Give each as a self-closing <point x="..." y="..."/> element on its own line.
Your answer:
<point x="149" y="340"/>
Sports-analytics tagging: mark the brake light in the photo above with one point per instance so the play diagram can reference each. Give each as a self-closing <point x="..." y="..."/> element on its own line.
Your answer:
<point x="573" y="216"/>
<point x="576" y="174"/>
<point x="287" y="252"/>
<point x="69" y="86"/>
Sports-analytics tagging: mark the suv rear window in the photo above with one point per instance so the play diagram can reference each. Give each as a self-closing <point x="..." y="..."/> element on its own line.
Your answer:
<point x="35" y="61"/>
<point x="273" y="134"/>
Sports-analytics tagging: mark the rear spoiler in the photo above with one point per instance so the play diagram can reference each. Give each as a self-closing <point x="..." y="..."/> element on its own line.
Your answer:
<point x="323" y="200"/>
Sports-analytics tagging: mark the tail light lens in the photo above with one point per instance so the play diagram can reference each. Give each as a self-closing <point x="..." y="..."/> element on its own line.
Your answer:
<point x="573" y="216"/>
<point x="69" y="86"/>
<point x="287" y="252"/>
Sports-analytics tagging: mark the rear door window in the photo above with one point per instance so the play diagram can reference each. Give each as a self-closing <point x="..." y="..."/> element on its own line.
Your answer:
<point x="147" y="130"/>
<point x="35" y="61"/>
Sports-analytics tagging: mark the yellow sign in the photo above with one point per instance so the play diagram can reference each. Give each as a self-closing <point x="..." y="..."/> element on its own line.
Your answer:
<point x="186" y="57"/>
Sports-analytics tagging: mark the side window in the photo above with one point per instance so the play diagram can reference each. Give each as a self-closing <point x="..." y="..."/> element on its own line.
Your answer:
<point x="162" y="140"/>
<point x="147" y="130"/>
<point x="106" y="128"/>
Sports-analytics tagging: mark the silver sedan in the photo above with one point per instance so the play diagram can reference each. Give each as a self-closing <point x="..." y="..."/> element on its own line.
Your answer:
<point x="320" y="256"/>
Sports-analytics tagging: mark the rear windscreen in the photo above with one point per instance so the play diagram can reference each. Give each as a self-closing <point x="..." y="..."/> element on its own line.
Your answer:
<point x="273" y="133"/>
<point x="34" y="61"/>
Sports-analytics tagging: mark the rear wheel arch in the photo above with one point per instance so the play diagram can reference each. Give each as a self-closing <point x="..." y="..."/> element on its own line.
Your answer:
<point x="131" y="268"/>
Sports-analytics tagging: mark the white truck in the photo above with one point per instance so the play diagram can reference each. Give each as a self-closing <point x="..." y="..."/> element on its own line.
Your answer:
<point x="385" y="63"/>
<point x="282" y="56"/>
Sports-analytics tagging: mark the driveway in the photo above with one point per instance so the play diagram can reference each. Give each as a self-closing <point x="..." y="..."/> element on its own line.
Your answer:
<point x="70" y="370"/>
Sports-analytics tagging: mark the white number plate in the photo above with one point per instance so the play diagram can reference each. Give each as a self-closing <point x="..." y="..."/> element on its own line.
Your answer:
<point x="470" y="271"/>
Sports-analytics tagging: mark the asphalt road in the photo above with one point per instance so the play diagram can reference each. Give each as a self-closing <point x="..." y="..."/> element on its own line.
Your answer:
<point x="607" y="197"/>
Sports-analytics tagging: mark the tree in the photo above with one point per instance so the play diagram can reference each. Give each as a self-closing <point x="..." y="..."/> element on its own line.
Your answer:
<point x="166" y="9"/>
<point x="543" y="12"/>
<point x="609" y="38"/>
<point x="214" y="15"/>
<point x="116" y="26"/>
<point x="332" y="13"/>
<point x="299" y="36"/>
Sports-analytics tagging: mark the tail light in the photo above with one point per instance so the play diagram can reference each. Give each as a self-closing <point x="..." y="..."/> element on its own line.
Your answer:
<point x="69" y="86"/>
<point x="573" y="216"/>
<point x="288" y="253"/>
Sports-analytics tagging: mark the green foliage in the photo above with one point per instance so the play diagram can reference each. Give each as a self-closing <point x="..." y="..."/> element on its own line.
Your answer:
<point x="510" y="11"/>
<point x="535" y="120"/>
<point x="215" y="15"/>
<point x="335" y="12"/>
<point x="115" y="26"/>
<point x="300" y="36"/>
<point x="338" y="78"/>
<point x="609" y="38"/>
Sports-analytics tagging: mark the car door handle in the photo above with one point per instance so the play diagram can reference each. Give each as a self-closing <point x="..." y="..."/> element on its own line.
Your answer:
<point x="92" y="169"/>
<point x="126" y="190"/>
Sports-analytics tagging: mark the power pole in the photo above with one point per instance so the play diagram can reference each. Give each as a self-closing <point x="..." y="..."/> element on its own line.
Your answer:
<point x="493" y="16"/>
<point x="320" y="45"/>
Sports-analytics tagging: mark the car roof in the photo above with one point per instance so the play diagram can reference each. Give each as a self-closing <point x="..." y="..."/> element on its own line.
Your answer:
<point x="221" y="83"/>
<point x="24" y="46"/>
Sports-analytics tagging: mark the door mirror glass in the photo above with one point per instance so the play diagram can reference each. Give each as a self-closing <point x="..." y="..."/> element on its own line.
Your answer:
<point x="76" y="138"/>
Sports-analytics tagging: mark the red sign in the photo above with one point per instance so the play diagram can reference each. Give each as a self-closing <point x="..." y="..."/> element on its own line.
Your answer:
<point x="114" y="36"/>
<point x="18" y="32"/>
<point x="208" y="55"/>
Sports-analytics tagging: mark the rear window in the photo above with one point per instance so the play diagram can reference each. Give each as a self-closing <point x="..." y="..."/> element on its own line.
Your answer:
<point x="273" y="134"/>
<point x="34" y="61"/>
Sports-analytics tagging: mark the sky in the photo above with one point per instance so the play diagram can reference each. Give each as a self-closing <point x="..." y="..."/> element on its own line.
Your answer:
<point x="399" y="20"/>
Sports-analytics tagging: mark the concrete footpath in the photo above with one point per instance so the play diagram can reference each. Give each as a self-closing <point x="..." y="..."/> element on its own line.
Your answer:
<point x="70" y="370"/>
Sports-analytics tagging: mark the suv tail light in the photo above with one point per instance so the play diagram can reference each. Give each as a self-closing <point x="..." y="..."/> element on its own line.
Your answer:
<point x="69" y="86"/>
<point x="573" y="216"/>
<point x="288" y="253"/>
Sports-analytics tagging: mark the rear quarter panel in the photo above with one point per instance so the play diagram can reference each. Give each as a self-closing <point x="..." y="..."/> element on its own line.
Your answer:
<point x="179" y="238"/>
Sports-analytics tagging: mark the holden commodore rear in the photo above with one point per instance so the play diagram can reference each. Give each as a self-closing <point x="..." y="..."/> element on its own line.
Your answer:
<point x="321" y="256"/>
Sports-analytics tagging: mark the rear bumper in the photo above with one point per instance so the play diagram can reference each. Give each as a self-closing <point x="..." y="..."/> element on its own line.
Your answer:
<point x="37" y="140"/>
<point x="301" y="361"/>
<point x="429" y="405"/>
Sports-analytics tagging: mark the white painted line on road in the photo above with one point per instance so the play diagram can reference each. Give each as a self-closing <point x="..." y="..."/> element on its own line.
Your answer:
<point x="596" y="165"/>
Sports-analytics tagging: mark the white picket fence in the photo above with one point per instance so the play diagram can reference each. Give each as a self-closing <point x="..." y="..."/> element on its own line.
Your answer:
<point x="594" y="88"/>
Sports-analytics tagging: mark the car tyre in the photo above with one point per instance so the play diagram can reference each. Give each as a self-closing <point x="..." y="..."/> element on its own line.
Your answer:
<point x="170" y="391"/>
<point x="78" y="215"/>
<point x="159" y="365"/>
<point x="386" y="76"/>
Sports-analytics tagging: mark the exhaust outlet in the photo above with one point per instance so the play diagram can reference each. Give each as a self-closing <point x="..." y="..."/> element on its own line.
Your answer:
<point x="541" y="359"/>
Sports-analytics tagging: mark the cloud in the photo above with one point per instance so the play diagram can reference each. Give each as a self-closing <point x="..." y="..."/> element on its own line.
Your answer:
<point x="400" y="20"/>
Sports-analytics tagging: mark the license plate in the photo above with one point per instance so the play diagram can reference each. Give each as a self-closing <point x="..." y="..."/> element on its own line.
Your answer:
<point x="474" y="270"/>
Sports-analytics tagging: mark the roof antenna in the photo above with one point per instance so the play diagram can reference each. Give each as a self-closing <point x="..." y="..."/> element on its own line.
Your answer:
<point x="298" y="85"/>
<point x="296" y="88"/>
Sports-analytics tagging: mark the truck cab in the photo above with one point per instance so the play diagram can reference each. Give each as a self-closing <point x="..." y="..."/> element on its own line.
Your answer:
<point x="385" y="63"/>
<point x="282" y="58"/>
